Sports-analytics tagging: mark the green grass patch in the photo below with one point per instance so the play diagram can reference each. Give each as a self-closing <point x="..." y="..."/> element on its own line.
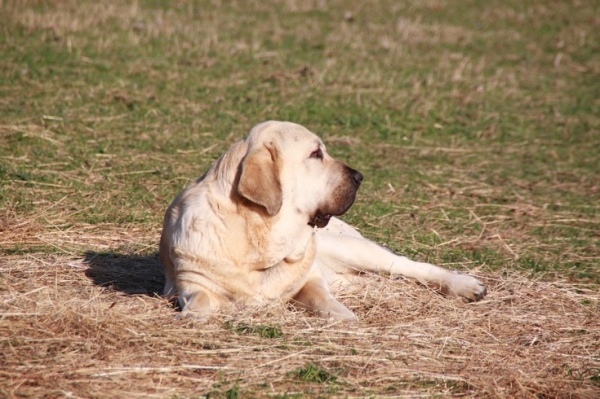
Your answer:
<point x="476" y="126"/>
<point x="260" y="330"/>
<point x="313" y="373"/>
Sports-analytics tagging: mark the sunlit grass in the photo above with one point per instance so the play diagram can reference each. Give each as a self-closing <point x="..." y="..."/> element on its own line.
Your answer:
<point x="475" y="124"/>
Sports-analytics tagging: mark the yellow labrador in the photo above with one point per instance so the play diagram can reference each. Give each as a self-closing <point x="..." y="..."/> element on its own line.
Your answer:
<point x="259" y="225"/>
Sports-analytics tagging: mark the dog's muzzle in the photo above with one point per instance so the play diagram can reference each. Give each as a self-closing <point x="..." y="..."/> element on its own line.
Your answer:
<point x="321" y="218"/>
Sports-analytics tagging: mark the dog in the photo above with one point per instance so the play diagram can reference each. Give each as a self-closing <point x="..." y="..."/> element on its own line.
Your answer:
<point x="261" y="225"/>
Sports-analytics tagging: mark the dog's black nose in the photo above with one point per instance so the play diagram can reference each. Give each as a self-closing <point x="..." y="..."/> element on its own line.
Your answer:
<point x="357" y="177"/>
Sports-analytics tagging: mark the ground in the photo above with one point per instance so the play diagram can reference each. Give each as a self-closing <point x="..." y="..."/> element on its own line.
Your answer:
<point x="477" y="128"/>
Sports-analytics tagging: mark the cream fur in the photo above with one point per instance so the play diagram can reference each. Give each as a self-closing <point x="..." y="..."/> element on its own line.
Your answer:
<point x="245" y="231"/>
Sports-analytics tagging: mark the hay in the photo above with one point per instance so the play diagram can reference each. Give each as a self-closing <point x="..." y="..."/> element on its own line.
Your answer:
<point x="92" y="325"/>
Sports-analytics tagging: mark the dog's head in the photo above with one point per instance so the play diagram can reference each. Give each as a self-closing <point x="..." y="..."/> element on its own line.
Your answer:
<point x="287" y="166"/>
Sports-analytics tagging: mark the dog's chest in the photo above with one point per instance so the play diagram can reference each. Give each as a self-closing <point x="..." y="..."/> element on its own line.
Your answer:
<point x="284" y="278"/>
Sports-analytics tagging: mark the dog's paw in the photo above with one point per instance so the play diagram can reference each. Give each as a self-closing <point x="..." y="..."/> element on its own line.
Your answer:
<point x="342" y="315"/>
<point x="191" y="315"/>
<point x="466" y="287"/>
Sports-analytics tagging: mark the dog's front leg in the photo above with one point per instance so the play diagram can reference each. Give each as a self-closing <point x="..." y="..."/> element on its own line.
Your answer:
<point x="315" y="296"/>
<point x="344" y="253"/>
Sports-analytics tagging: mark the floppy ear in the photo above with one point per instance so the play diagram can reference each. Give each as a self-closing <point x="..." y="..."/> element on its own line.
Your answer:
<point x="259" y="179"/>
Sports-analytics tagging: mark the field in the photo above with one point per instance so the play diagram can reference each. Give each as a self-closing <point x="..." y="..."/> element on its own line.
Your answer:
<point x="476" y="125"/>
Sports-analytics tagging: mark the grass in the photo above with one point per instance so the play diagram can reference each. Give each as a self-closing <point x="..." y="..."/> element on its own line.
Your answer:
<point x="262" y="331"/>
<point x="313" y="373"/>
<point x="476" y="125"/>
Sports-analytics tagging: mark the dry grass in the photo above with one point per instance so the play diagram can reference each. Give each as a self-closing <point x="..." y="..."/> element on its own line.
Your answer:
<point x="476" y="127"/>
<point x="93" y="326"/>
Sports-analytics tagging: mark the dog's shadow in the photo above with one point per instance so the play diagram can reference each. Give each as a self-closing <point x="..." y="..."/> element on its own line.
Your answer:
<point x="130" y="274"/>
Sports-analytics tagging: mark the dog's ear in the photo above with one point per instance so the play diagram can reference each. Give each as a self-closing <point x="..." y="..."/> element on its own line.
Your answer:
<point x="259" y="179"/>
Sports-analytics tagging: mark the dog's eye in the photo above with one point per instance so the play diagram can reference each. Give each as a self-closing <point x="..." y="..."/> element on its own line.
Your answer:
<point x="317" y="154"/>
